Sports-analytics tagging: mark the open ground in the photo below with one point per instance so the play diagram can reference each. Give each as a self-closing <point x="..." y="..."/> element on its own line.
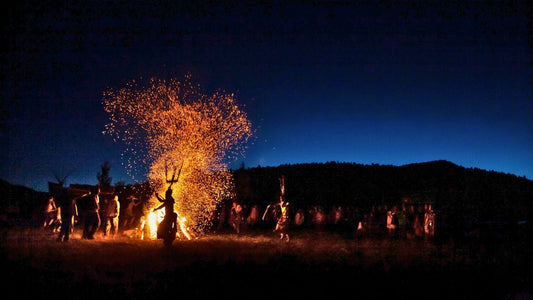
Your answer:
<point x="256" y="264"/>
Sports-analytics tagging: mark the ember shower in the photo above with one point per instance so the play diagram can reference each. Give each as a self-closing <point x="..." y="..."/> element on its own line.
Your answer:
<point x="172" y="124"/>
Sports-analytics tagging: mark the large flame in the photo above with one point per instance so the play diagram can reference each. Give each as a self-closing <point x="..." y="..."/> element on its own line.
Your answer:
<point x="154" y="218"/>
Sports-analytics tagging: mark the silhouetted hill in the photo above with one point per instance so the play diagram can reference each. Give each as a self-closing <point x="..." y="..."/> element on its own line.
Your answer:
<point x="442" y="183"/>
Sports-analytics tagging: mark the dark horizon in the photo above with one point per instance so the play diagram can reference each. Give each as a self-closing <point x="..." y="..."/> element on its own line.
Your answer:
<point x="236" y="168"/>
<point x="384" y="83"/>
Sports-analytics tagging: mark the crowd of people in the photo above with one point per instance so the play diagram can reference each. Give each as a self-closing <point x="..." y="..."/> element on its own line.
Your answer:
<point x="103" y="213"/>
<point x="62" y="212"/>
<point x="410" y="221"/>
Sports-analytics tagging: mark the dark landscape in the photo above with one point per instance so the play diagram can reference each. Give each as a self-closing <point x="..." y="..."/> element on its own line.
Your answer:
<point x="279" y="149"/>
<point x="258" y="265"/>
<point x="489" y="259"/>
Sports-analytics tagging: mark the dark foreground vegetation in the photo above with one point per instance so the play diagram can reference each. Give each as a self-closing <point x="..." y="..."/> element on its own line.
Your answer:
<point x="256" y="264"/>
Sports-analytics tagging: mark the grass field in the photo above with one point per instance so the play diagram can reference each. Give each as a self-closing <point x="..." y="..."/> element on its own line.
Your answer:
<point x="258" y="265"/>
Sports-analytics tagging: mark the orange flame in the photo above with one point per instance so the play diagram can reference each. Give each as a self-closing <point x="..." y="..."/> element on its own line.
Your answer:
<point x="154" y="218"/>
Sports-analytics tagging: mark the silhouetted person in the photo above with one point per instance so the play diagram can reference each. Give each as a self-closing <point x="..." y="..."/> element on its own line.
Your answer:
<point x="410" y="221"/>
<point x="68" y="211"/>
<point x="167" y="227"/>
<point x="391" y="224"/>
<point x="92" y="220"/>
<point x="418" y="223"/>
<point x="50" y="212"/>
<point x="111" y="216"/>
<point x="130" y="215"/>
<point x="299" y="217"/>
<point x="254" y="216"/>
<point x="236" y="217"/>
<point x="318" y="217"/>
<point x="429" y="221"/>
<point x="283" y="222"/>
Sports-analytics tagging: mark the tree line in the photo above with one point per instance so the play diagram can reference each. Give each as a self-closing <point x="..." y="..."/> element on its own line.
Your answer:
<point x="491" y="195"/>
<point x="441" y="183"/>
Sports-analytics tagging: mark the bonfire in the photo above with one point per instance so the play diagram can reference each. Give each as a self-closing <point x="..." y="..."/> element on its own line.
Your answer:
<point x="170" y="125"/>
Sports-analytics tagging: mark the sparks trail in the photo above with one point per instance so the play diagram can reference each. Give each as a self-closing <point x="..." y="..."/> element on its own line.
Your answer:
<point x="173" y="124"/>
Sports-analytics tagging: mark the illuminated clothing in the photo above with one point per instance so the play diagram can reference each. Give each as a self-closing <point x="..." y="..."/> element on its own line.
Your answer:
<point x="50" y="213"/>
<point x="283" y="222"/>
<point x="236" y="217"/>
<point x="429" y="223"/>
<point x="112" y="212"/>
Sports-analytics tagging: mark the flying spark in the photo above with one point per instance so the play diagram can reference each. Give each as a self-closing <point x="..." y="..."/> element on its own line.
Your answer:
<point x="172" y="124"/>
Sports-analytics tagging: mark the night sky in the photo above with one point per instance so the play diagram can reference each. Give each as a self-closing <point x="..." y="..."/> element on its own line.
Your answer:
<point x="392" y="83"/>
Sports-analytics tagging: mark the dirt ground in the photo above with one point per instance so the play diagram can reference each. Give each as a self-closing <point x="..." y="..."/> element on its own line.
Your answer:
<point x="258" y="265"/>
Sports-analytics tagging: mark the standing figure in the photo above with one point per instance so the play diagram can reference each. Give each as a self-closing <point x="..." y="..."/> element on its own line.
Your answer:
<point x="92" y="219"/>
<point x="111" y="215"/>
<point x="429" y="221"/>
<point x="392" y="221"/>
<point x="68" y="210"/>
<point x="282" y="226"/>
<point x="130" y="217"/>
<point x="299" y="217"/>
<point x="253" y="217"/>
<point x="50" y="213"/>
<point x="418" y="222"/>
<point x="167" y="228"/>
<point x="319" y="217"/>
<point x="283" y="222"/>
<point x="236" y="217"/>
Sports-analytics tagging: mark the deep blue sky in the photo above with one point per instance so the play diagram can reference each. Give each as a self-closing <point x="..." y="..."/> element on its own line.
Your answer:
<point x="394" y="83"/>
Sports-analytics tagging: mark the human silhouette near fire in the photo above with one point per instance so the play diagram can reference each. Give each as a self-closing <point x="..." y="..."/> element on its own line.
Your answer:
<point x="167" y="229"/>
<point x="282" y="225"/>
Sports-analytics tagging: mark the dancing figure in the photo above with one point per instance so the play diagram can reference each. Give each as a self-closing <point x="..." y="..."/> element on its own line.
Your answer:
<point x="167" y="228"/>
